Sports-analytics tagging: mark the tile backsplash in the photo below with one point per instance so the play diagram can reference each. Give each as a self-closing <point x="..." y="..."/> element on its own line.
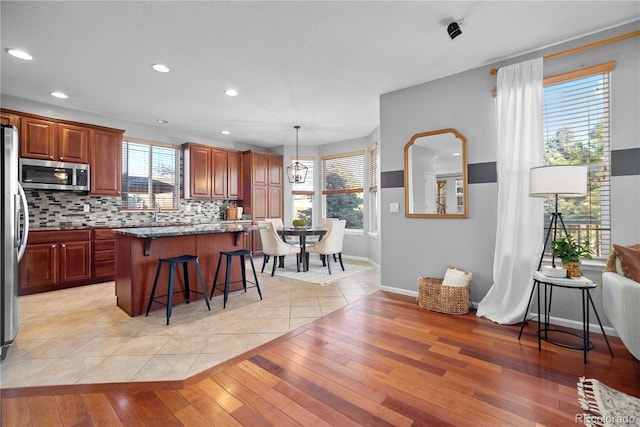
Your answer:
<point x="53" y="209"/>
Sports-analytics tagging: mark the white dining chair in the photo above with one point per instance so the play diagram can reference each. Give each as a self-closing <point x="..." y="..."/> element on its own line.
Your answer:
<point x="331" y="243"/>
<point x="325" y="223"/>
<point x="274" y="246"/>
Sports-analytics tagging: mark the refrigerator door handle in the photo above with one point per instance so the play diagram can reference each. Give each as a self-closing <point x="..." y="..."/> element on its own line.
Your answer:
<point x="21" y="239"/>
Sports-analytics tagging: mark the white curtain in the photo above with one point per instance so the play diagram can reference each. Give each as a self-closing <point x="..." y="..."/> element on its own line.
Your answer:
<point x="519" y="230"/>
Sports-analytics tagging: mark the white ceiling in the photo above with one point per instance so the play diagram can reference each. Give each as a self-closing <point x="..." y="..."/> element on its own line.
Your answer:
<point x="322" y="65"/>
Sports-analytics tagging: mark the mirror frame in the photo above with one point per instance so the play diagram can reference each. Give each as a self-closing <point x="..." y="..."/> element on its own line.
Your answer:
<point x="407" y="186"/>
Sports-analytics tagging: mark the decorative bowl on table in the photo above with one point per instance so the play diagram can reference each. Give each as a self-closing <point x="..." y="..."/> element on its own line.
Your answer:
<point x="300" y="223"/>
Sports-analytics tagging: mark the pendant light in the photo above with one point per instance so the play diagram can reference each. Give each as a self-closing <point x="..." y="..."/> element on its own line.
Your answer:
<point x="297" y="172"/>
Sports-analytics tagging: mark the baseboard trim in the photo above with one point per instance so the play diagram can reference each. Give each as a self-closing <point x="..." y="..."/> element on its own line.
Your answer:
<point x="558" y="321"/>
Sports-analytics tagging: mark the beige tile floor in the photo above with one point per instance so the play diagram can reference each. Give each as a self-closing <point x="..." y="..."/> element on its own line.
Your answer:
<point x="80" y="336"/>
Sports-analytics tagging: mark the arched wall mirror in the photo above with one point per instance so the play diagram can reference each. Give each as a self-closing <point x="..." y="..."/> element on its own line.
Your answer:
<point x="435" y="175"/>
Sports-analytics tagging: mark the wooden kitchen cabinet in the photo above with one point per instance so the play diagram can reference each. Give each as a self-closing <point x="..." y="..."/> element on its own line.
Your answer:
<point x="55" y="260"/>
<point x="234" y="175"/>
<point x="104" y="255"/>
<point x="73" y="143"/>
<point x="105" y="149"/>
<point x="219" y="174"/>
<point x="9" y="119"/>
<point x="46" y="139"/>
<point x="262" y="189"/>
<point x="199" y="171"/>
<point x="65" y="141"/>
<point x="38" y="139"/>
<point x="211" y="173"/>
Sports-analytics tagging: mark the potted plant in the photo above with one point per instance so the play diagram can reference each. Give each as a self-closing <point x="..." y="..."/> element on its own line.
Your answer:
<point x="569" y="251"/>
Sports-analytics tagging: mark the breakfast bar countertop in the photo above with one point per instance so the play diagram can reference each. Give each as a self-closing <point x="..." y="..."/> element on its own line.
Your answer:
<point x="185" y="230"/>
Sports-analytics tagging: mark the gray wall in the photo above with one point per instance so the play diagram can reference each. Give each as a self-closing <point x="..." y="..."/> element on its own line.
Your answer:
<point x="413" y="247"/>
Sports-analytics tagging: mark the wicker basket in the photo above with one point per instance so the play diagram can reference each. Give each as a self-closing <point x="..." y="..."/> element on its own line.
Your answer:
<point x="433" y="296"/>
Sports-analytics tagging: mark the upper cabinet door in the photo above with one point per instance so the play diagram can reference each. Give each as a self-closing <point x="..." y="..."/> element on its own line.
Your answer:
<point x="275" y="170"/>
<point x="219" y="174"/>
<point x="259" y="174"/>
<point x="234" y="174"/>
<point x="38" y="139"/>
<point x="73" y="143"/>
<point x="105" y="174"/>
<point x="200" y="172"/>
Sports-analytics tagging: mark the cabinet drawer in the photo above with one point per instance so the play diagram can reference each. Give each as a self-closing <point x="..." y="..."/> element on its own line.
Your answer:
<point x="104" y="255"/>
<point x="104" y="268"/>
<point x="103" y="234"/>
<point x="104" y="245"/>
<point x="36" y="237"/>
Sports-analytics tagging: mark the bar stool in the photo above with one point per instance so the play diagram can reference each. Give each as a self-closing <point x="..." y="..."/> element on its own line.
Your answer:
<point x="184" y="260"/>
<point x="241" y="254"/>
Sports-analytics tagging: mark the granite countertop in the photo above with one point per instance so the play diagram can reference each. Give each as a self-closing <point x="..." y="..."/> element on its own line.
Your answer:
<point x="119" y="225"/>
<point x="186" y="230"/>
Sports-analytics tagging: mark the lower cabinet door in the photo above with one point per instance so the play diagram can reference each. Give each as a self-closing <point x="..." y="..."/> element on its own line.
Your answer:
<point x="75" y="261"/>
<point x="38" y="267"/>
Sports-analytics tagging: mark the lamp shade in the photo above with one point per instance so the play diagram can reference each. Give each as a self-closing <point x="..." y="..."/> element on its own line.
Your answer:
<point x="563" y="180"/>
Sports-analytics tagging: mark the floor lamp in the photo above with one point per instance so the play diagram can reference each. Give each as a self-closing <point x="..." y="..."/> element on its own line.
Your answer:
<point x="554" y="181"/>
<point x="557" y="181"/>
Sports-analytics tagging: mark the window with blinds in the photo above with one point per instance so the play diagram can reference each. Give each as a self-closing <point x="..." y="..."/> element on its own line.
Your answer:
<point x="150" y="175"/>
<point x="343" y="186"/>
<point x="373" y="188"/>
<point x="302" y="193"/>
<point x="373" y="168"/>
<point x="576" y="131"/>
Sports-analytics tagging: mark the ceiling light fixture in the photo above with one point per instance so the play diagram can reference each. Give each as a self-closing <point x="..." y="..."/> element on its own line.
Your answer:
<point x="160" y="68"/>
<point x="297" y="172"/>
<point x="225" y="132"/>
<point x="21" y="54"/>
<point x="231" y="92"/>
<point x="60" y="95"/>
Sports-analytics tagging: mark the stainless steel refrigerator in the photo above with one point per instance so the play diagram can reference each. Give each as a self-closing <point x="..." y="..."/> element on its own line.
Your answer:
<point x="15" y="230"/>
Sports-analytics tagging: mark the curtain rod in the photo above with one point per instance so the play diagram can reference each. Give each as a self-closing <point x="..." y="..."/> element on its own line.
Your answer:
<point x="494" y="71"/>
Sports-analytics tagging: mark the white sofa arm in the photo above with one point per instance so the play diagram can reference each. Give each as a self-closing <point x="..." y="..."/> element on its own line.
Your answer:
<point x="621" y="301"/>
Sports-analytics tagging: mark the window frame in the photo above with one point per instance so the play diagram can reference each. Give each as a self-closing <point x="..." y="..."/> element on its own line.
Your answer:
<point x="310" y="162"/>
<point x="600" y="171"/>
<point x="177" y="172"/>
<point x="373" y="168"/>
<point x="358" y="188"/>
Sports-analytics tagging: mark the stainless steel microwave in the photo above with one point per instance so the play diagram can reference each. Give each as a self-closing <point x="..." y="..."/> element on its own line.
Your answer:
<point x="48" y="175"/>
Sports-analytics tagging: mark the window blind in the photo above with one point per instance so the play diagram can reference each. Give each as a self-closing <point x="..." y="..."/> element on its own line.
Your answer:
<point x="343" y="173"/>
<point x="576" y="131"/>
<point x="150" y="175"/>
<point x="373" y="168"/>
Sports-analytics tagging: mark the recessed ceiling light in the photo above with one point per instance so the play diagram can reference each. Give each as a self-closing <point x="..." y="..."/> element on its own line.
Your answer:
<point x="20" y="54"/>
<point x="225" y="132"/>
<point x="59" y="95"/>
<point x="456" y="154"/>
<point x="162" y="121"/>
<point x="231" y="92"/>
<point x="160" y="68"/>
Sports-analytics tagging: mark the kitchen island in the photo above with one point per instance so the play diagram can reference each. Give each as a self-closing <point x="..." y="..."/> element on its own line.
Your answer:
<point x="138" y="251"/>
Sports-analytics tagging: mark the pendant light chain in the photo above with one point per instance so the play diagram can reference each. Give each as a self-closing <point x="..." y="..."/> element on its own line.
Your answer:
<point x="297" y="129"/>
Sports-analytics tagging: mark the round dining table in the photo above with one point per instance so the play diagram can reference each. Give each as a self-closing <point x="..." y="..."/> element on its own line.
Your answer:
<point x="302" y="233"/>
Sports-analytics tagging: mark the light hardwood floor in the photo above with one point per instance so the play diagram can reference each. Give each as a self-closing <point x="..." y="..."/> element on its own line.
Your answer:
<point x="378" y="361"/>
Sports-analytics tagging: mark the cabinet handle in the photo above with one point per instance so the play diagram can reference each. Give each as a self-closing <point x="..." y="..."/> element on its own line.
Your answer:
<point x="64" y="246"/>
<point x="51" y="157"/>
<point x="53" y="246"/>
<point x="61" y="158"/>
